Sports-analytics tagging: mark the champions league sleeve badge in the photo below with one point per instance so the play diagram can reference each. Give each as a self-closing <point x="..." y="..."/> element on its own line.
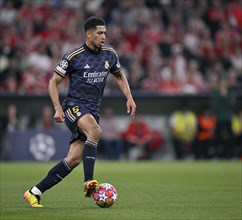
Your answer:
<point x="63" y="64"/>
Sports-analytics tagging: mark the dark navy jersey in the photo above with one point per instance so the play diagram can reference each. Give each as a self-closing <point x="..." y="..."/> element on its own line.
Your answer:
<point x="88" y="72"/>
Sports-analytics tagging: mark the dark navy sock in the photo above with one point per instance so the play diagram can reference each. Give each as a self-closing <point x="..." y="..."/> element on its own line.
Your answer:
<point x="54" y="176"/>
<point x="89" y="158"/>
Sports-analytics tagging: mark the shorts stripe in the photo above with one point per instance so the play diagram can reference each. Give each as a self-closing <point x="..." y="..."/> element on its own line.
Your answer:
<point x="71" y="116"/>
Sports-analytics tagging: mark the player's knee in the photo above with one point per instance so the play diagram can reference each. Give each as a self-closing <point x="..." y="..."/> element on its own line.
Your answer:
<point x="95" y="134"/>
<point x="73" y="161"/>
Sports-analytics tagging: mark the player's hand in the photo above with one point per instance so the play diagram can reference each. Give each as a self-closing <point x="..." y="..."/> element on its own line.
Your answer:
<point x="59" y="116"/>
<point x="131" y="107"/>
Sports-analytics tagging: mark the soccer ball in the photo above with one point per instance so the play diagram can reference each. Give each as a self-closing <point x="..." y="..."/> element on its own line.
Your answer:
<point x="105" y="195"/>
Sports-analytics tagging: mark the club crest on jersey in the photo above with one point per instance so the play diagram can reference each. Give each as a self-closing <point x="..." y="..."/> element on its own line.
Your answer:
<point x="106" y="65"/>
<point x="64" y="64"/>
<point x="78" y="114"/>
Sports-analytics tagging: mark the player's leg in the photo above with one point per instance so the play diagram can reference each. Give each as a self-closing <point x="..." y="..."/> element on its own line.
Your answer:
<point x="89" y="127"/>
<point x="74" y="155"/>
<point x="56" y="174"/>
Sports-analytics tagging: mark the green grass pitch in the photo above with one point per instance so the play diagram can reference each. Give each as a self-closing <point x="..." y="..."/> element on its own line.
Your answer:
<point x="146" y="190"/>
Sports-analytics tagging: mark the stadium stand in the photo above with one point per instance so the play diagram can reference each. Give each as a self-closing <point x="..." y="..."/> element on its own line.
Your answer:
<point x="166" y="46"/>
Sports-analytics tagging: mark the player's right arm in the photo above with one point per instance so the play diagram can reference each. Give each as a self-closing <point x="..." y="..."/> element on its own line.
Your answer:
<point x="54" y="95"/>
<point x="124" y="87"/>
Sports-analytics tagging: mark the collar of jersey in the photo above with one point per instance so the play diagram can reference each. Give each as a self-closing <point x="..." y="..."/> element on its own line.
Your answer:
<point x="92" y="51"/>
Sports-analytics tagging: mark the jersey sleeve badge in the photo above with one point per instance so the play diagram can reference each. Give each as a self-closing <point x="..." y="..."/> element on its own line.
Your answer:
<point x="61" y="68"/>
<point x="63" y="64"/>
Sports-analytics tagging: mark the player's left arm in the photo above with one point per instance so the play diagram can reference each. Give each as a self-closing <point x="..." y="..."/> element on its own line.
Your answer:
<point x="124" y="87"/>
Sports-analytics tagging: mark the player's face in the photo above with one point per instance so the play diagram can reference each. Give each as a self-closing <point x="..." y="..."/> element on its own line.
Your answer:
<point x="97" y="37"/>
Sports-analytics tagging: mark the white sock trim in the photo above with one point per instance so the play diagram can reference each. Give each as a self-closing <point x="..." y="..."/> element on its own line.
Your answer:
<point x="66" y="165"/>
<point x="91" y="143"/>
<point x="36" y="191"/>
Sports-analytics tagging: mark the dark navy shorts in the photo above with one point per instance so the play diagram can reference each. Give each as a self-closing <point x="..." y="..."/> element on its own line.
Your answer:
<point x="72" y="115"/>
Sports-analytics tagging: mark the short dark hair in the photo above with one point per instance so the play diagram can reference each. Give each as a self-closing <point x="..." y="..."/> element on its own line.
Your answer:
<point x="93" y="22"/>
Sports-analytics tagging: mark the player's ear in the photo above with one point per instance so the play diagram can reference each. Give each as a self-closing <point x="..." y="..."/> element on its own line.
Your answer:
<point x="88" y="33"/>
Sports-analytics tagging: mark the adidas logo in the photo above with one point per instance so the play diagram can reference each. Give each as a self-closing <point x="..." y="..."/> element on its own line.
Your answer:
<point x="87" y="66"/>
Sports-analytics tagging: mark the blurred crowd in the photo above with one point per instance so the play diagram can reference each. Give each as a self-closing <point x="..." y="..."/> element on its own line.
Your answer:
<point x="165" y="46"/>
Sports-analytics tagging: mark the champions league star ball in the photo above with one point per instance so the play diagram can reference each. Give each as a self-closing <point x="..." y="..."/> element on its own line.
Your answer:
<point x="105" y="195"/>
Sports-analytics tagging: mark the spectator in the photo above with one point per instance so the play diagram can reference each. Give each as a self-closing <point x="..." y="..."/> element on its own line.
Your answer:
<point x="169" y="84"/>
<point x="111" y="137"/>
<point x="204" y="147"/>
<point x="191" y="38"/>
<point x="194" y="82"/>
<point x="136" y="75"/>
<point x="183" y="124"/>
<point x="137" y="137"/>
<point x="11" y="84"/>
<point x="237" y="130"/>
<point x="47" y="121"/>
<point x="33" y="81"/>
<point x="40" y="59"/>
<point x="151" y="82"/>
<point x="236" y="60"/>
<point x="223" y="103"/>
<point x="233" y="81"/>
<point x="8" y="13"/>
<point x="9" y="123"/>
<point x="180" y="64"/>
